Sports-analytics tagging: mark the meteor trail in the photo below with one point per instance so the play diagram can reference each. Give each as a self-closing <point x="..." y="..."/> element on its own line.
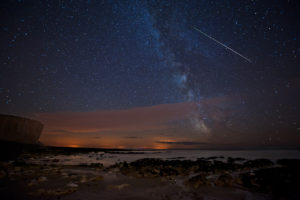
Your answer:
<point x="223" y="44"/>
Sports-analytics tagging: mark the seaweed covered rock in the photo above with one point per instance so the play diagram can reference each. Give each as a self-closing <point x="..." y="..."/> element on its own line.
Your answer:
<point x="279" y="181"/>
<point x="291" y="163"/>
<point x="203" y="165"/>
<point x="224" y="180"/>
<point x="258" y="163"/>
<point x="233" y="160"/>
<point x="151" y="167"/>
<point x="197" y="181"/>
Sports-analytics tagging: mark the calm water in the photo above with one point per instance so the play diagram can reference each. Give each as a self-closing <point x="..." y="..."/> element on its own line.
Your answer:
<point x="111" y="158"/>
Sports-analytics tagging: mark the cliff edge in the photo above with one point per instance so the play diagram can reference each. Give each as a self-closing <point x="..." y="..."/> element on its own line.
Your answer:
<point x="19" y="129"/>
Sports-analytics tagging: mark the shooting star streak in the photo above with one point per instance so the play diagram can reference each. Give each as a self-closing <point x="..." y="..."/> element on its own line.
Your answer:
<point x="223" y="45"/>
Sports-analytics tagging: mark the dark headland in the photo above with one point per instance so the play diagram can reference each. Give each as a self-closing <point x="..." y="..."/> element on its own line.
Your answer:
<point x="18" y="134"/>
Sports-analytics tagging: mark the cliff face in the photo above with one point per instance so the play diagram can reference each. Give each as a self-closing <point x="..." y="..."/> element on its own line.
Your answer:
<point x="18" y="129"/>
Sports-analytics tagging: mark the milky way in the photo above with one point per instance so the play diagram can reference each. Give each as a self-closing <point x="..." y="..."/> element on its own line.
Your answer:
<point x="84" y="56"/>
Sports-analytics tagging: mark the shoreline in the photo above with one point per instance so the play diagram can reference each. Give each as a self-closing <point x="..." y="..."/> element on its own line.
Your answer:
<point x="259" y="148"/>
<point x="204" y="178"/>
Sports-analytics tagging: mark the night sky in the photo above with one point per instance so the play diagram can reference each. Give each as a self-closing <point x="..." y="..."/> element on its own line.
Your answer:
<point x="136" y="74"/>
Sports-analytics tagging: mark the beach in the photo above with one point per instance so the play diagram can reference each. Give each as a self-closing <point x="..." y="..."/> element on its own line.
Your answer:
<point x="72" y="173"/>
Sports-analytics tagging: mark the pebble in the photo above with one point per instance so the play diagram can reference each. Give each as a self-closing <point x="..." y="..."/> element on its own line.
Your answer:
<point x="42" y="179"/>
<point x="83" y="179"/>
<point x="119" y="187"/>
<point x="2" y="174"/>
<point x="73" y="185"/>
<point x="32" y="182"/>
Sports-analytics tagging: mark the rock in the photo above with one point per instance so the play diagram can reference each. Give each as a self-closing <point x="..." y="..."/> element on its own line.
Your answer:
<point x="292" y="163"/>
<point x="17" y="169"/>
<point x="247" y="180"/>
<point x="258" y="163"/>
<point x="55" y="192"/>
<point x="212" y="158"/>
<point x="40" y="191"/>
<point x="97" y="178"/>
<point x="220" y="166"/>
<point x="96" y="165"/>
<point x="224" y="180"/>
<point x="197" y="181"/>
<point x="280" y="181"/>
<point x="149" y="167"/>
<point x="232" y="160"/>
<point x="83" y="179"/>
<point x="32" y="183"/>
<point x="42" y="179"/>
<point x="72" y="185"/>
<point x="119" y="187"/>
<point x="168" y="172"/>
<point x="19" y="163"/>
<point x="72" y="175"/>
<point x="65" y="191"/>
<point x="238" y="180"/>
<point x="203" y="165"/>
<point x="64" y="174"/>
<point x="2" y="174"/>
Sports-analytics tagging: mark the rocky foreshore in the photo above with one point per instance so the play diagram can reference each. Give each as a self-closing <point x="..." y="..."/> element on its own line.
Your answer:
<point x="261" y="175"/>
<point x="235" y="178"/>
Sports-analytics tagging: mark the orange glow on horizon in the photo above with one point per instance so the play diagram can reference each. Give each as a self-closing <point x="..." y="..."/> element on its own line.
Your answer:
<point x="153" y="127"/>
<point x="130" y="128"/>
<point x="73" y="145"/>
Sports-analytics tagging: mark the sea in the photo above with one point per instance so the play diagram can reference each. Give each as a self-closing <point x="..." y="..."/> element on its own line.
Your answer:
<point x="108" y="158"/>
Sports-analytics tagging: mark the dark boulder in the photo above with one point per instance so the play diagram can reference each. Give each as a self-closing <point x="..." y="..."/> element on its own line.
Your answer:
<point x="197" y="181"/>
<point x="224" y="180"/>
<point x="258" y="163"/>
<point x="281" y="182"/>
<point x="291" y="163"/>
